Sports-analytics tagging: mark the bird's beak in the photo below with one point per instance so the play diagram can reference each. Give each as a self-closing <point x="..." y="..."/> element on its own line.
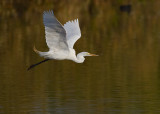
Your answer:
<point x="92" y="54"/>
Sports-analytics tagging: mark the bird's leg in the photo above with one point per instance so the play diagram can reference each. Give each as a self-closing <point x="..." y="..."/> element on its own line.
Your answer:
<point x="32" y="66"/>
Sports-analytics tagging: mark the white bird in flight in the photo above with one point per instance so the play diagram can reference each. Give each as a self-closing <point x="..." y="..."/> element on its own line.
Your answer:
<point x="60" y="40"/>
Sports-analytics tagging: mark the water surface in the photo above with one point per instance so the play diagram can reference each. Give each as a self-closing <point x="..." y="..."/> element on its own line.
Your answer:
<point x="123" y="79"/>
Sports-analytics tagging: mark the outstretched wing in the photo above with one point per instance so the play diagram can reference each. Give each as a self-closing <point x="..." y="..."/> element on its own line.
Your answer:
<point x="73" y="32"/>
<point x="55" y="33"/>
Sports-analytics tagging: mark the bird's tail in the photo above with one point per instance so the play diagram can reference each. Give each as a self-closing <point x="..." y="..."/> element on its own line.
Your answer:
<point x="42" y="54"/>
<point x="35" y="50"/>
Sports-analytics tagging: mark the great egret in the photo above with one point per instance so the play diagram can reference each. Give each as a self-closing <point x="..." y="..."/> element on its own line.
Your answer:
<point x="60" y="40"/>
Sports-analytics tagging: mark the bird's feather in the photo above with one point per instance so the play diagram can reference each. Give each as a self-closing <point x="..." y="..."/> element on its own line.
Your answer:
<point x="55" y="33"/>
<point x="73" y="32"/>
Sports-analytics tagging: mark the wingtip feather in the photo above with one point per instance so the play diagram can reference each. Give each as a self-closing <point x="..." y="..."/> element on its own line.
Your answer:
<point x="48" y="12"/>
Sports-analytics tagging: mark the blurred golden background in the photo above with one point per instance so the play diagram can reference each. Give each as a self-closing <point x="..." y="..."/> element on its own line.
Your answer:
<point x="123" y="79"/>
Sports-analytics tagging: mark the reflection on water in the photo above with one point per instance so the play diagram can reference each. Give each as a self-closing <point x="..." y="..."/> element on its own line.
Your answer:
<point x="123" y="79"/>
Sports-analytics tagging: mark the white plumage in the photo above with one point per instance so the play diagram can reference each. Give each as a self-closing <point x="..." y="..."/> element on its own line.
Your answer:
<point x="73" y="32"/>
<point x="55" y="33"/>
<point x="61" y="39"/>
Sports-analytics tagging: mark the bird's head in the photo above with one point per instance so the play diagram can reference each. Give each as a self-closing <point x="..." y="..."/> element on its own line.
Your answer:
<point x="80" y="56"/>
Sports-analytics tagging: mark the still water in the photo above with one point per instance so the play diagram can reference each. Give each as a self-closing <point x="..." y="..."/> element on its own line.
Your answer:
<point x="124" y="79"/>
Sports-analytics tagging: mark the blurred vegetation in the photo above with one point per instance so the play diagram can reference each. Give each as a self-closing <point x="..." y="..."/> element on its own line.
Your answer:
<point x="100" y="20"/>
<point x="128" y="45"/>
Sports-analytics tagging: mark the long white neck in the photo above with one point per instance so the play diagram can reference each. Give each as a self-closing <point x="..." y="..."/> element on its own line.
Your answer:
<point x="80" y="58"/>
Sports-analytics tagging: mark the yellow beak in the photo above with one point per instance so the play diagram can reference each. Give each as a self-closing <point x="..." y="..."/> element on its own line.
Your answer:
<point x="92" y="54"/>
